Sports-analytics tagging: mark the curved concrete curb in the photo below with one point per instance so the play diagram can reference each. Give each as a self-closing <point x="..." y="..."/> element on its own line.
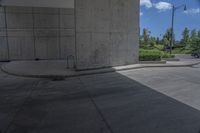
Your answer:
<point x="76" y="73"/>
<point x="96" y="71"/>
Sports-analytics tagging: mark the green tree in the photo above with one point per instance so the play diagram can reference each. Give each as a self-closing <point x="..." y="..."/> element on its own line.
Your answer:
<point x="195" y="43"/>
<point x="157" y="40"/>
<point x="199" y="33"/>
<point x="145" y="38"/>
<point x="186" y="37"/>
<point x="195" y="39"/>
<point x="167" y="37"/>
<point x="152" y="43"/>
<point x="146" y="35"/>
<point x="194" y="34"/>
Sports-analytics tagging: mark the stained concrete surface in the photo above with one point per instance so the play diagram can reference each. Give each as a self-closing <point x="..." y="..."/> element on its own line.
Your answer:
<point x="38" y="3"/>
<point x="104" y="103"/>
<point x="107" y="33"/>
<point x="36" y="33"/>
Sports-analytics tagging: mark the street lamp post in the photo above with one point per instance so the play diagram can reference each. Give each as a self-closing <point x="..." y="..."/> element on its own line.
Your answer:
<point x="172" y="26"/>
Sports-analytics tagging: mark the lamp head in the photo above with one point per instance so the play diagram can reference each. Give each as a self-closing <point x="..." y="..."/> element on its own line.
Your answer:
<point x="185" y="8"/>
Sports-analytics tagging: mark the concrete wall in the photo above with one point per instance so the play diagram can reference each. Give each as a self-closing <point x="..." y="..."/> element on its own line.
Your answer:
<point x="3" y="37"/>
<point x="100" y="33"/>
<point x="39" y="3"/>
<point x="107" y="32"/>
<point x="30" y="33"/>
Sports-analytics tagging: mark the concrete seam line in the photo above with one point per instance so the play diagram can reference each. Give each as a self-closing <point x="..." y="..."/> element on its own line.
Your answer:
<point x="21" y="106"/>
<point x="96" y="106"/>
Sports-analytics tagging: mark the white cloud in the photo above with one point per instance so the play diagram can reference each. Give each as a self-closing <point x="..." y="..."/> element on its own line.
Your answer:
<point x="141" y="13"/>
<point x="146" y="3"/>
<point x="192" y="11"/>
<point x="163" y="6"/>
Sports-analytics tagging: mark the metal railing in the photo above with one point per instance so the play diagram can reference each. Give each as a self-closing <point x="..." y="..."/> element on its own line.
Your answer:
<point x="71" y="62"/>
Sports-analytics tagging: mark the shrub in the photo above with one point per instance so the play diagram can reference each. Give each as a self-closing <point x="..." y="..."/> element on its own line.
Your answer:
<point x="150" y="55"/>
<point x="181" y="51"/>
<point x="159" y="47"/>
<point x="167" y="55"/>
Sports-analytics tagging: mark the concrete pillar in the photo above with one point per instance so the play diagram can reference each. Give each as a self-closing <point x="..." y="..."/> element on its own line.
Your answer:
<point x="107" y="33"/>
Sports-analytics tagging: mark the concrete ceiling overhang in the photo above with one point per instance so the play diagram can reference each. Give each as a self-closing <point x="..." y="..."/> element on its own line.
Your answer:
<point x="39" y="3"/>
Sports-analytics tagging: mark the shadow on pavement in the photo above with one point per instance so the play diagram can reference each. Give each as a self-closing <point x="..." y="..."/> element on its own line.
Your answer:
<point x="103" y="103"/>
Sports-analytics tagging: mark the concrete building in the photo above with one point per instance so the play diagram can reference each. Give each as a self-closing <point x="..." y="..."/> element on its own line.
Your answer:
<point x="87" y="33"/>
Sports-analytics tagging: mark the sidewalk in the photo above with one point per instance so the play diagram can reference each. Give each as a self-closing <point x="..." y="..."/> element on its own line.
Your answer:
<point x="57" y="68"/>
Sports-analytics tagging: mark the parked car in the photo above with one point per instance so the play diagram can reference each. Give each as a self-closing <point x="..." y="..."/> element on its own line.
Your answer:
<point x="196" y="53"/>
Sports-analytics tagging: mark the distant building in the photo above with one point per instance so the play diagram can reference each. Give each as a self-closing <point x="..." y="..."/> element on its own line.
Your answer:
<point x="90" y="33"/>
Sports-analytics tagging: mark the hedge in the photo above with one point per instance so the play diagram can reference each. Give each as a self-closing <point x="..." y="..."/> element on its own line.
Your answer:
<point x="166" y="55"/>
<point x="153" y="55"/>
<point x="150" y="55"/>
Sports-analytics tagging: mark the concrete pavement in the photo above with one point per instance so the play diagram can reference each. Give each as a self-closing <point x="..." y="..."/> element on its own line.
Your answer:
<point x="183" y="84"/>
<point x="183" y="57"/>
<point x="104" y="103"/>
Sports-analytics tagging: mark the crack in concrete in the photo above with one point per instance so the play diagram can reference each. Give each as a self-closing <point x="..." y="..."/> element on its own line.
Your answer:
<point x="20" y="108"/>
<point x="97" y="108"/>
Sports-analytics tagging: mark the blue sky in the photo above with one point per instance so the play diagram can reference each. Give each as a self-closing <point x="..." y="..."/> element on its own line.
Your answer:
<point x="156" y="16"/>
